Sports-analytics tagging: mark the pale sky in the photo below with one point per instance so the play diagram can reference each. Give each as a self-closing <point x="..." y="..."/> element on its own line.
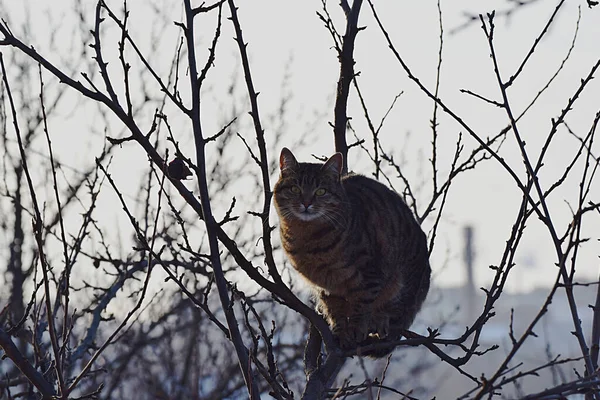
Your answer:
<point x="287" y="39"/>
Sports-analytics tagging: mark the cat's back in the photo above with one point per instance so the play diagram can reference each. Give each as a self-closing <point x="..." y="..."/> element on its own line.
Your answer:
<point x="387" y="220"/>
<point x="374" y="197"/>
<point x="360" y="186"/>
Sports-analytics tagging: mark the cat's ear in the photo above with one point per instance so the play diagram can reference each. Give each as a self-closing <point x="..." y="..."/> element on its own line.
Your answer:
<point x="287" y="161"/>
<point x="334" y="165"/>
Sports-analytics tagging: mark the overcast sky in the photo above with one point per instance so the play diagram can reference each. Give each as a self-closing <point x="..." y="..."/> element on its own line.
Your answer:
<point x="288" y="43"/>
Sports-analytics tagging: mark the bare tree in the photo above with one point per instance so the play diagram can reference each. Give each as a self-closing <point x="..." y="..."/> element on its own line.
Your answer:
<point x="161" y="306"/>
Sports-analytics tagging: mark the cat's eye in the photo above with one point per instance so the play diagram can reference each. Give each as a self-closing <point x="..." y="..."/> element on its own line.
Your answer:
<point x="320" y="192"/>
<point x="295" y="189"/>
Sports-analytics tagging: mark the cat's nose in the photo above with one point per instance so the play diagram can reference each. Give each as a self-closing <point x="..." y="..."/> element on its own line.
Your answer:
<point x="306" y="204"/>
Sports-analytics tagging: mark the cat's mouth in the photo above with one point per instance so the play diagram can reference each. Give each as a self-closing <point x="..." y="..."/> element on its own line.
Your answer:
<point x="306" y="216"/>
<point x="306" y="213"/>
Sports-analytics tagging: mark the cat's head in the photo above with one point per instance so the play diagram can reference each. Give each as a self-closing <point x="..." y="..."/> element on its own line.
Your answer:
<point x="310" y="191"/>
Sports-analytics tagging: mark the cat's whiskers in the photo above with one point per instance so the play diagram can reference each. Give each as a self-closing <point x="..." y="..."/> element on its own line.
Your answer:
<point x="337" y="218"/>
<point x="286" y="212"/>
<point x="340" y="212"/>
<point x="296" y="213"/>
<point x="331" y="220"/>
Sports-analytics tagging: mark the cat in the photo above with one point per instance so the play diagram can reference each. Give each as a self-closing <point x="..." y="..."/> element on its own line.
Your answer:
<point x="358" y="244"/>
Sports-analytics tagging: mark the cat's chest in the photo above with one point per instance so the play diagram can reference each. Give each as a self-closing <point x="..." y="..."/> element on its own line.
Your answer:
<point x="310" y="240"/>
<point x="316" y="253"/>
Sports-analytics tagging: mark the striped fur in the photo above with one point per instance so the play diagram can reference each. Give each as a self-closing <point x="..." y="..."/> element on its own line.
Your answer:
<point x="358" y="244"/>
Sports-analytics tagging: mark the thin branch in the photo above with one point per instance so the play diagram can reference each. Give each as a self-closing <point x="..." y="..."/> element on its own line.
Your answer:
<point x="28" y="370"/>
<point x="511" y="80"/>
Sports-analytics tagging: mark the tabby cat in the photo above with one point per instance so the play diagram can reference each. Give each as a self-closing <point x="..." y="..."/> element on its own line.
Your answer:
<point x="358" y="244"/>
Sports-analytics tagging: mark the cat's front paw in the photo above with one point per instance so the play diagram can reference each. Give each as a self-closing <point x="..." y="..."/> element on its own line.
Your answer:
<point x="350" y="332"/>
<point x="380" y="325"/>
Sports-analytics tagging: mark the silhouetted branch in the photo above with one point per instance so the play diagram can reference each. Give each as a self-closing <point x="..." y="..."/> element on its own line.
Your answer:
<point x="36" y="378"/>
<point x="346" y="59"/>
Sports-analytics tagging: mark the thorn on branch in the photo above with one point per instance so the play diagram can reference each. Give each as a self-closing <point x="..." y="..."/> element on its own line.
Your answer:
<point x="181" y="25"/>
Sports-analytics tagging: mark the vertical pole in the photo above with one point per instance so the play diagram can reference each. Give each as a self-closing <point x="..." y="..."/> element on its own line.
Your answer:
<point x="469" y="258"/>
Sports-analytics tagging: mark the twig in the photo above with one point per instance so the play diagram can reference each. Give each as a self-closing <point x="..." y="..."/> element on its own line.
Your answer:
<point x="346" y="58"/>
<point x="511" y="80"/>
